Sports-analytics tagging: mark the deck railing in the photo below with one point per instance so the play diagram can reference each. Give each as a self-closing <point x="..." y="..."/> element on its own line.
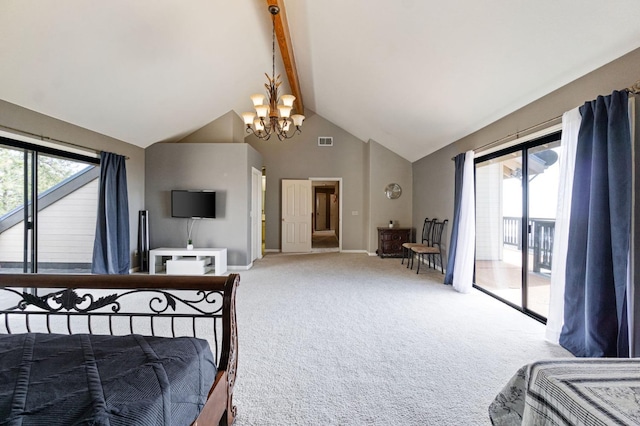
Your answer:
<point x="540" y="241"/>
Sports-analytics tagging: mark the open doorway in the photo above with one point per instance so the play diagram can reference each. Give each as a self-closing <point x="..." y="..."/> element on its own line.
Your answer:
<point x="326" y="235"/>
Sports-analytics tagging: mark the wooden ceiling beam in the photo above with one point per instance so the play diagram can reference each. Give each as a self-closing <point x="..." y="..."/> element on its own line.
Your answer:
<point x="286" y="51"/>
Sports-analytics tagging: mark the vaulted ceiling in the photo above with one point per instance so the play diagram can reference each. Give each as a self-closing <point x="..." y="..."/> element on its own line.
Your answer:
<point x="413" y="75"/>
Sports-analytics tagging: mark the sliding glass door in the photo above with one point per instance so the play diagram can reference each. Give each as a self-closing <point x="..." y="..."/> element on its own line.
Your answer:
<point x="516" y="196"/>
<point x="48" y="206"/>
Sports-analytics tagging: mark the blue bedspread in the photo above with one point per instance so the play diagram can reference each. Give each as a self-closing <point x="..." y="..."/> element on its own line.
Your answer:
<point x="52" y="379"/>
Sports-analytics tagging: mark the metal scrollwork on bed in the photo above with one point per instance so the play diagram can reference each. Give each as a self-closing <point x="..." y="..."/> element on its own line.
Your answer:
<point x="156" y="305"/>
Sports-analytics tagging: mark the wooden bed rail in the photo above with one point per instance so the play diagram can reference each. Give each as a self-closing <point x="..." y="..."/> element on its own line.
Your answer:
<point x="69" y="299"/>
<point x="174" y="282"/>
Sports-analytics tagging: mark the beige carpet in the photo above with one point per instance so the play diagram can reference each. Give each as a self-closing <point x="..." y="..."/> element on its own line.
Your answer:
<point x="324" y="240"/>
<point x="349" y="339"/>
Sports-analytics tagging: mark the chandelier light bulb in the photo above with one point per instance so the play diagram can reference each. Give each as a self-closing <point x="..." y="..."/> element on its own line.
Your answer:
<point x="284" y="110"/>
<point x="248" y="118"/>
<point x="284" y="124"/>
<point x="257" y="99"/>
<point x="287" y="100"/>
<point x="297" y="119"/>
<point x="262" y="111"/>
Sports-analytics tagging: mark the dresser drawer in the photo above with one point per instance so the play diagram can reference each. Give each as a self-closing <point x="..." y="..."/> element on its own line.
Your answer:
<point x="390" y="241"/>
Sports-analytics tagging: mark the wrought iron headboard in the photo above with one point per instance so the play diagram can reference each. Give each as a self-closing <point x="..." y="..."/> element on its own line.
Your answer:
<point x="97" y="304"/>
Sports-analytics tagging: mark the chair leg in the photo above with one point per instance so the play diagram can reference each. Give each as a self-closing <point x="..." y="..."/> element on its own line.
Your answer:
<point x="402" y="262"/>
<point x="441" y="265"/>
<point x="419" y="259"/>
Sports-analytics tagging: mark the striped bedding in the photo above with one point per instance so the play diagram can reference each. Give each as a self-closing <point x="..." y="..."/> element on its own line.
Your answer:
<point x="585" y="391"/>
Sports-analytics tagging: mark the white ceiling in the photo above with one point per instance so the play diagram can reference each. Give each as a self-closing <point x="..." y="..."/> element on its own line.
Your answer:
<point x="413" y="75"/>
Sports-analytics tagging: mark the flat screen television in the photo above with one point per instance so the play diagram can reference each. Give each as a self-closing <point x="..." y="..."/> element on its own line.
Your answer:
<point x="193" y="203"/>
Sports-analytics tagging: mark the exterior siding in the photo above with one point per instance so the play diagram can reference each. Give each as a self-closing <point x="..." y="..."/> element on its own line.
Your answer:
<point x="66" y="230"/>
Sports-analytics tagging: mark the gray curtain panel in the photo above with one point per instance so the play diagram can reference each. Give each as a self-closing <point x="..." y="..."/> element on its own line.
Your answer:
<point x="595" y="310"/>
<point x="111" y="249"/>
<point x="453" y="244"/>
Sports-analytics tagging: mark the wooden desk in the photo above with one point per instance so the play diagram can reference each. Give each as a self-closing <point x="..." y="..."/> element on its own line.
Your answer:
<point x="390" y="241"/>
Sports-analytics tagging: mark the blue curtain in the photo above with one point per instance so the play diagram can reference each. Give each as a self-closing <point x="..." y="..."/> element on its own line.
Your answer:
<point x="111" y="246"/>
<point x="595" y="317"/>
<point x="453" y="244"/>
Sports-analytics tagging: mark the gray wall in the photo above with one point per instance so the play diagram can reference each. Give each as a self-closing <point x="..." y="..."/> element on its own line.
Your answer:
<point x="386" y="167"/>
<point x="21" y="118"/>
<point x="365" y="169"/>
<point x="433" y="175"/>
<point x="225" y="168"/>
<point x="302" y="158"/>
<point x="226" y="129"/>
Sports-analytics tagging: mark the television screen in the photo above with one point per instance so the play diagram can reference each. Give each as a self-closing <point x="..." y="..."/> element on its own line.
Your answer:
<point x="193" y="204"/>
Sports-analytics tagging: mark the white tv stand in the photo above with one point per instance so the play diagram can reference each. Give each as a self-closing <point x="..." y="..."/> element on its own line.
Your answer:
<point x="183" y="261"/>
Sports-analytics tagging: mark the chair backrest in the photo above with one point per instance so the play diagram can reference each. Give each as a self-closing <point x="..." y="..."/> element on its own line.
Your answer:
<point x="426" y="231"/>
<point x="436" y="232"/>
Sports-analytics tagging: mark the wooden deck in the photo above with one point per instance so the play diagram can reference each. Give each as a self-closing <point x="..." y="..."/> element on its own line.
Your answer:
<point x="504" y="279"/>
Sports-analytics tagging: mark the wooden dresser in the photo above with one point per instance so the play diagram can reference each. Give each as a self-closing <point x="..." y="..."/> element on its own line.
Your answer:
<point x="390" y="241"/>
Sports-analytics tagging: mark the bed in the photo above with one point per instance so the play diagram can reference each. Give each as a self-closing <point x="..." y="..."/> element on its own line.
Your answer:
<point x="117" y="349"/>
<point x="576" y="391"/>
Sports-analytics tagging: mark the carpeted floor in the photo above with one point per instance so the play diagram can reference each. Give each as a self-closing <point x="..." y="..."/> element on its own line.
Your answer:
<point x="324" y="241"/>
<point x="349" y="339"/>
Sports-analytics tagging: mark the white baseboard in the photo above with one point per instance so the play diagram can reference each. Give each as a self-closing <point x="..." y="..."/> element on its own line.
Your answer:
<point x="239" y="267"/>
<point x="272" y="250"/>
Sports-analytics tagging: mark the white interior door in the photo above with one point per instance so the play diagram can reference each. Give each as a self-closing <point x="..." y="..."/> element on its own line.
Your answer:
<point x="296" y="215"/>
<point x="256" y="214"/>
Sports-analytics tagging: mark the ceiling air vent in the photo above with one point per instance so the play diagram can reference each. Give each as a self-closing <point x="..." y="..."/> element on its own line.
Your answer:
<point x="325" y="140"/>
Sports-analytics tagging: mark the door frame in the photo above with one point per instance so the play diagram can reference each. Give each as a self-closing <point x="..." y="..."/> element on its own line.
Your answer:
<point x="256" y="214"/>
<point x="340" y="191"/>
<point x="550" y="136"/>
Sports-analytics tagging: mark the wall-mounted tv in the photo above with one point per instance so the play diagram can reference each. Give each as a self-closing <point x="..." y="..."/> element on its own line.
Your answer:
<point x="193" y="203"/>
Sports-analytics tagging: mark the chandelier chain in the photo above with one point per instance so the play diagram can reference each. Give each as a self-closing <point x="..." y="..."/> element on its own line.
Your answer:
<point x="273" y="46"/>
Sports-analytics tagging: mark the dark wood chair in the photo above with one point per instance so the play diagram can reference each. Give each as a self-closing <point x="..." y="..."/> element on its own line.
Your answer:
<point x="432" y="250"/>
<point x="426" y="238"/>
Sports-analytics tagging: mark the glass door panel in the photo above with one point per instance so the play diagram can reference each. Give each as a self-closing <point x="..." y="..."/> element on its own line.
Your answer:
<point x="67" y="208"/>
<point x="498" y="266"/>
<point x="48" y="208"/>
<point x="13" y="163"/>
<point x="543" y="181"/>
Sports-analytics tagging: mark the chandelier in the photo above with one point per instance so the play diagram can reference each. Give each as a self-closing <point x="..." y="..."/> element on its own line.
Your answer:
<point x="274" y="116"/>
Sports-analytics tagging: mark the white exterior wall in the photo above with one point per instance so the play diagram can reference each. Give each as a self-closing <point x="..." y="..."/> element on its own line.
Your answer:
<point x="489" y="199"/>
<point x="66" y="230"/>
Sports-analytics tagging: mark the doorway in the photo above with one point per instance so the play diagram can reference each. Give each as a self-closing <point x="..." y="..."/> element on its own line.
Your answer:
<point x="326" y="215"/>
<point x="300" y="212"/>
<point x="516" y="195"/>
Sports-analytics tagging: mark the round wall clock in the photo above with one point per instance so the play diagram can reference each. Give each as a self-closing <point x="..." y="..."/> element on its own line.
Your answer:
<point x="393" y="191"/>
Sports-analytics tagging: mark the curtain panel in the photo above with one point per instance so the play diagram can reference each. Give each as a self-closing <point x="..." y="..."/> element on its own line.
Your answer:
<point x="570" y="127"/>
<point x="595" y="306"/>
<point x="111" y="249"/>
<point x="466" y="241"/>
<point x="453" y="244"/>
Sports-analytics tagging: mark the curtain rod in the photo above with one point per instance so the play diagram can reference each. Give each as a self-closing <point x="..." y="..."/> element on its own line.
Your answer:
<point x="48" y="139"/>
<point x="634" y="89"/>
